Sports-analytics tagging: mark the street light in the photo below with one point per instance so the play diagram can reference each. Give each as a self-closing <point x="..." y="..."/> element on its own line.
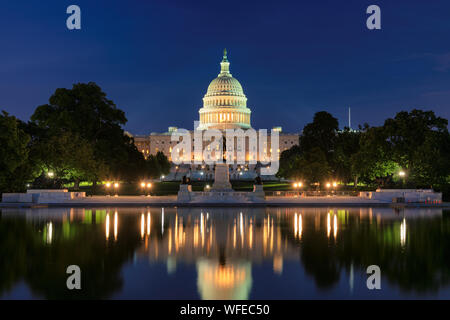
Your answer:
<point x="148" y="186"/>
<point x="116" y="188"/>
<point x="297" y="185"/>
<point x="50" y="174"/>
<point x="108" y="186"/>
<point x="334" y="184"/>
<point x="402" y="174"/>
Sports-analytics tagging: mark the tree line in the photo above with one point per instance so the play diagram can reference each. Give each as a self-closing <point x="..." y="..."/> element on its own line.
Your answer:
<point x="78" y="136"/>
<point x="410" y="150"/>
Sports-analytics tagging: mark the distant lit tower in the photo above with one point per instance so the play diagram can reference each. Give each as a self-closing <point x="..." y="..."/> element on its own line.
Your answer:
<point x="349" y="119"/>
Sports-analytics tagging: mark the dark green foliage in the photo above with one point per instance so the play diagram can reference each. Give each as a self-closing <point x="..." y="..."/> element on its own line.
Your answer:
<point x="417" y="142"/>
<point x="157" y="165"/>
<point x="79" y="136"/>
<point x="14" y="167"/>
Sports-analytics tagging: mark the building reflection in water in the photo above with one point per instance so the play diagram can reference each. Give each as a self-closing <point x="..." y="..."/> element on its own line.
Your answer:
<point x="225" y="243"/>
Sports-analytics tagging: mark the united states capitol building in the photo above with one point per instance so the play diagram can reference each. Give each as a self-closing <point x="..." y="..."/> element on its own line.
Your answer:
<point x="224" y="107"/>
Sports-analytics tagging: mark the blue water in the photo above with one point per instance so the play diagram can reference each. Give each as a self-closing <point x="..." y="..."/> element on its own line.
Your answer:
<point x="224" y="253"/>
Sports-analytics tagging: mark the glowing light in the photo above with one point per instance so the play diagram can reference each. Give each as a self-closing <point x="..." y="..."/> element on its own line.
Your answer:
<point x="295" y="185"/>
<point x="148" y="223"/>
<point x="300" y="226"/>
<point x="300" y="184"/>
<point x="116" y="225"/>
<point x="162" y="220"/>
<point x="51" y="174"/>
<point x="334" y="184"/>
<point x="328" y="224"/>
<point x="201" y="223"/>
<point x="107" y="226"/>
<point x="295" y="224"/>
<point x="116" y="185"/>
<point x="143" y="184"/>
<point x="208" y="186"/>
<point x="402" y="173"/>
<point x="328" y="185"/>
<point x="335" y="226"/>
<point x="241" y="225"/>
<point x="108" y="184"/>
<point x="149" y="185"/>
<point x="403" y="232"/>
<point x="49" y="233"/>
<point x="142" y="226"/>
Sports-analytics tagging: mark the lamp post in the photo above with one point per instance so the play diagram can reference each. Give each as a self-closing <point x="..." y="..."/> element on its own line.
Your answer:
<point x="116" y="189"/>
<point x="402" y="175"/>
<point x="328" y="186"/>
<point x="146" y="186"/>
<point x="108" y="188"/>
<point x="297" y="185"/>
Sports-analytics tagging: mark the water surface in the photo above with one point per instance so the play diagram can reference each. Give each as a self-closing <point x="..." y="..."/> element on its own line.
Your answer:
<point x="224" y="253"/>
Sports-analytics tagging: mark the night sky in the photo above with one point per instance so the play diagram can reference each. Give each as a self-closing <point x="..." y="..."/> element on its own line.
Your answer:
<point x="155" y="59"/>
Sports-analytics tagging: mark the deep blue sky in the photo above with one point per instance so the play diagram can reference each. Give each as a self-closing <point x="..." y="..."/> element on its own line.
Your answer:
<point x="155" y="59"/>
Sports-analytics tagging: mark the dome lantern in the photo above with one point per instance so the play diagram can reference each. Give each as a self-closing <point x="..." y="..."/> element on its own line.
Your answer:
<point x="225" y="65"/>
<point x="224" y="104"/>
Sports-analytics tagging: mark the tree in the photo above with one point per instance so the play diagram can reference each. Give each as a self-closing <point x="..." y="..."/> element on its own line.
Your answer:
<point x="347" y="144"/>
<point x="431" y="160"/>
<point x="419" y="143"/>
<point x="320" y="133"/>
<point x="14" y="168"/>
<point x="288" y="162"/>
<point x="85" y="114"/>
<point x="157" y="165"/>
<point x="68" y="156"/>
<point x="313" y="166"/>
<point x="373" y="161"/>
<point x="163" y="162"/>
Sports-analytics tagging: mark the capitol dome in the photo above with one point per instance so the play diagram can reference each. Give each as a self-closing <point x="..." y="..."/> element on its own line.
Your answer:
<point x="224" y="104"/>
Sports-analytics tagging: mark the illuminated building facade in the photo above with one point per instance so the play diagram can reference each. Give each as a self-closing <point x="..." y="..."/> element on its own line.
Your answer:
<point x="224" y="107"/>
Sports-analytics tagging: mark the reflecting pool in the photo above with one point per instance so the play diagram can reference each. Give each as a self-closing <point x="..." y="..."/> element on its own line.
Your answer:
<point x="224" y="253"/>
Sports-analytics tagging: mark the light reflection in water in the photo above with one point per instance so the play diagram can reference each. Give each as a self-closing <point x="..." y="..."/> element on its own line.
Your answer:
<point x="298" y="225"/>
<point x="116" y="225"/>
<point x="162" y="221"/>
<point x="226" y="244"/>
<point x="142" y="226"/>
<point x="107" y="226"/>
<point x="335" y="226"/>
<point x="49" y="235"/>
<point x="328" y="224"/>
<point x="148" y="223"/>
<point x="403" y="232"/>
